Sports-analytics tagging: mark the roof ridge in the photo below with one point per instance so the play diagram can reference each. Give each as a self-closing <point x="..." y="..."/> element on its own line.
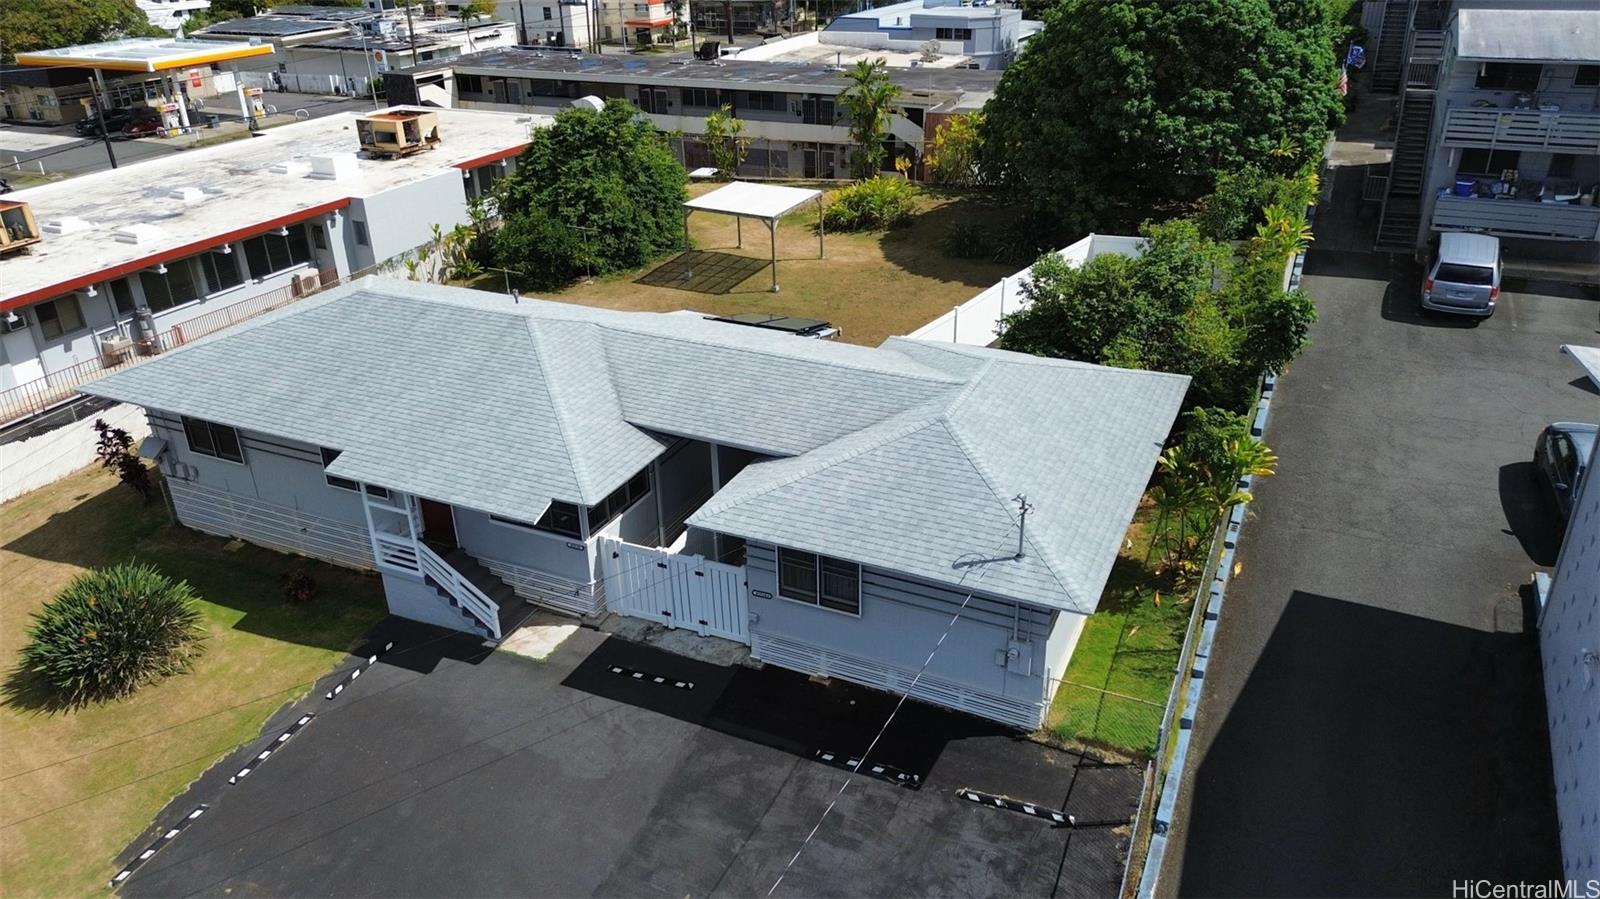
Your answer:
<point x="931" y="375"/>
<point x="816" y="467"/>
<point x="1051" y="563"/>
<point x="580" y="471"/>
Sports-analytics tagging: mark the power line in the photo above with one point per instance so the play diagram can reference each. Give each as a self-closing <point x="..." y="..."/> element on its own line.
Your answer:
<point x="850" y="777"/>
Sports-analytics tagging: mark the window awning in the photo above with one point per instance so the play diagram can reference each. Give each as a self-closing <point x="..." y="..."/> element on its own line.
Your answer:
<point x="657" y="22"/>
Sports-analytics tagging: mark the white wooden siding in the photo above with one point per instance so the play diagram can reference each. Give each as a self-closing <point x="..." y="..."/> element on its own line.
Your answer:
<point x="272" y="526"/>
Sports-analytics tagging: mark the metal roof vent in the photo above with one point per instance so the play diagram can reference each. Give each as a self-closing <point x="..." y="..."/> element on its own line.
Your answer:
<point x="294" y="168"/>
<point x="189" y="195"/>
<point x="333" y="168"/>
<point x="139" y="233"/>
<point x="67" y="225"/>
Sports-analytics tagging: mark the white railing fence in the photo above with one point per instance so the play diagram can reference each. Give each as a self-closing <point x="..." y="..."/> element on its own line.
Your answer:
<point x="463" y="591"/>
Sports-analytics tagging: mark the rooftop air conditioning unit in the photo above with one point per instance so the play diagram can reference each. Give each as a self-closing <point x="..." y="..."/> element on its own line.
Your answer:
<point x="18" y="230"/>
<point x="391" y="135"/>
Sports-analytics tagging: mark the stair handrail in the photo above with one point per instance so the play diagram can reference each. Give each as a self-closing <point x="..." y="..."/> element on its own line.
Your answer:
<point x="475" y="601"/>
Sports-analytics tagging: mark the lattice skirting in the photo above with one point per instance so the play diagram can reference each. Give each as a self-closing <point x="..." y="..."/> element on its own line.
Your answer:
<point x="272" y="526"/>
<point x="809" y="659"/>
<point x="548" y="590"/>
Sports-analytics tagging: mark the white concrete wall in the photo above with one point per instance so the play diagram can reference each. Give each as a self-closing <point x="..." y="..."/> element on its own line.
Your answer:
<point x="977" y="321"/>
<point x="32" y="463"/>
<point x="1569" y="642"/>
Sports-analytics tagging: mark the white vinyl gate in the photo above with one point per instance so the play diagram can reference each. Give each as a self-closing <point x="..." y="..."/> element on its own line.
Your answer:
<point x="676" y="590"/>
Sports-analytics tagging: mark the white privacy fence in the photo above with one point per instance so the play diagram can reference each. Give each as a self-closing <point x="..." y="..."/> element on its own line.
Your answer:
<point x="977" y="321"/>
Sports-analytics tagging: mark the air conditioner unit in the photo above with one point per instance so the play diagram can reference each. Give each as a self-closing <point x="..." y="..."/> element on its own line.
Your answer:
<point x="13" y="321"/>
<point x="306" y="283"/>
<point x="114" y="348"/>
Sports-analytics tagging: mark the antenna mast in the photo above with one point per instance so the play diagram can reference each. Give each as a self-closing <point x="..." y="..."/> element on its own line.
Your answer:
<point x="1024" y="507"/>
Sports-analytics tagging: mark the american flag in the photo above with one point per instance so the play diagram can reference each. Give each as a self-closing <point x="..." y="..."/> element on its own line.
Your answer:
<point x="1344" y="82"/>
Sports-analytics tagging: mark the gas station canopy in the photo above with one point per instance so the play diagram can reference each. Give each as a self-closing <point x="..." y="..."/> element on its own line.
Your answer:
<point x="145" y="54"/>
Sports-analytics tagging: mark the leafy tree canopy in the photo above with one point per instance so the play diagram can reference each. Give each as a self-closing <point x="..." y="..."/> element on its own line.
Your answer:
<point x="28" y="25"/>
<point x="1121" y="107"/>
<point x="1184" y="306"/>
<point x="597" y="192"/>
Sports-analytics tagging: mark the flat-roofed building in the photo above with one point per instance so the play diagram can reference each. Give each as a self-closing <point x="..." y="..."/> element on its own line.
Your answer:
<point x="790" y="111"/>
<point x="136" y="260"/>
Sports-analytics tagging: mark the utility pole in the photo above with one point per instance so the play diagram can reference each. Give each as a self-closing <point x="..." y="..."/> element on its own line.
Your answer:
<point x="100" y="116"/>
<point x="727" y="9"/>
<point x="522" y="16"/>
<point x="411" y="32"/>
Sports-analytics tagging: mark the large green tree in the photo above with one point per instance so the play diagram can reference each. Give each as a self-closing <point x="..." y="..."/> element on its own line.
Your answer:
<point x="599" y="191"/>
<point x="27" y="25"/>
<point x="1123" y="108"/>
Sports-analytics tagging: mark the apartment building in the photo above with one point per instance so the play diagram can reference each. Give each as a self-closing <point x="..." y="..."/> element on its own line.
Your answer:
<point x="790" y="111"/>
<point x="134" y="261"/>
<point x="1498" y="128"/>
<point x="550" y="23"/>
<point x="338" y="50"/>
<point x="984" y="32"/>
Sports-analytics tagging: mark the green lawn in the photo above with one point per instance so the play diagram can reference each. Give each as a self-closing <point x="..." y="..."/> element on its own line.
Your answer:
<point x="872" y="285"/>
<point x="1116" y="685"/>
<point x="77" y="786"/>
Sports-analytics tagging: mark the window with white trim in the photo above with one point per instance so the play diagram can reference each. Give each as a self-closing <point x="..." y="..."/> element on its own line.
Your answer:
<point x="819" y="581"/>
<point x="328" y="455"/>
<point x="211" y="439"/>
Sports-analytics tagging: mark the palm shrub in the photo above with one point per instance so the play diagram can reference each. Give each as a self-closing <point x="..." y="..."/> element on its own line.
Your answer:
<point x="112" y="630"/>
<point x="873" y="204"/>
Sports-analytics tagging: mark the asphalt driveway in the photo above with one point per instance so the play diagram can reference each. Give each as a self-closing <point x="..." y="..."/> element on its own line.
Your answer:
<point x="1372" y="720"/>
<point x="448" y="771"/>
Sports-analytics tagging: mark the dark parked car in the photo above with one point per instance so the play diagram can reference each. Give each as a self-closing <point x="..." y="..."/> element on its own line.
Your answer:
<point x="115" y="119"/>
<point x="140" y="127"/>
<point x="1560" y="457"/>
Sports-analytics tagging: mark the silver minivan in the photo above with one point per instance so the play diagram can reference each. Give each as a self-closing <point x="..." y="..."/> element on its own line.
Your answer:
<point x="1464" y="277"/>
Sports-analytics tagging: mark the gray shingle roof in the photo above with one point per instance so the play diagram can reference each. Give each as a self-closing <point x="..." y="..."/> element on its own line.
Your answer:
<point x="930" y="492"/>
<point x="904" y="457"/>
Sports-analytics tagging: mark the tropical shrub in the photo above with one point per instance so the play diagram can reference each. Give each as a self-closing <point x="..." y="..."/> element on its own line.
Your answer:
<point x="299" y="587"/>
<point x="1186" y="305"/>
<point x="953" y="155"/>
<point x="112" y="630"/>
<point x="114" y="449"/>
<point x="726" y="142"/>
<point x="873" y="204"/>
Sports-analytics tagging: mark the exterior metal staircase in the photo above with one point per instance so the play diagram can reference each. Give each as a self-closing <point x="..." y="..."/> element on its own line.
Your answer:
<point x="513" y="610"/>
<point x="1390" y="59"/>
<point x="1402" y="206"/>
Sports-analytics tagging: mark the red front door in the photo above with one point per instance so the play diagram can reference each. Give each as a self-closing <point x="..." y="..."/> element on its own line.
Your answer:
<point x="438" y="524"/>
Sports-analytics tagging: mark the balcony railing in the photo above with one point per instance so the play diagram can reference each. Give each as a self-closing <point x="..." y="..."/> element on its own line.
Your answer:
<point x="1424" y="56"/>
<point x="1517" y="218"/>
<point x="1523" y="129"/>
<point x="33" y="397"/>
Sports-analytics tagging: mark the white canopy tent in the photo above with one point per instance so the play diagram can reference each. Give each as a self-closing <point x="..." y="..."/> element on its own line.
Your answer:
<point x="767" y="202"/>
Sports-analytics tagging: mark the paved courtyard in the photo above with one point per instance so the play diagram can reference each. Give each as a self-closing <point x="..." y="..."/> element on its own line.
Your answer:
<point x="446" y="770"/>
<point x="1372" y="721"/>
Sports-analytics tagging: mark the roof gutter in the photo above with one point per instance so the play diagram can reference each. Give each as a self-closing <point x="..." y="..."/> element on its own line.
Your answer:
<point x="190" y="249"/>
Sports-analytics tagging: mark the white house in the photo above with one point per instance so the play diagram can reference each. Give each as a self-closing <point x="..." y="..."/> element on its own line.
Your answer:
<point x="207" y="237"/>
<point x="833" y="506"/>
